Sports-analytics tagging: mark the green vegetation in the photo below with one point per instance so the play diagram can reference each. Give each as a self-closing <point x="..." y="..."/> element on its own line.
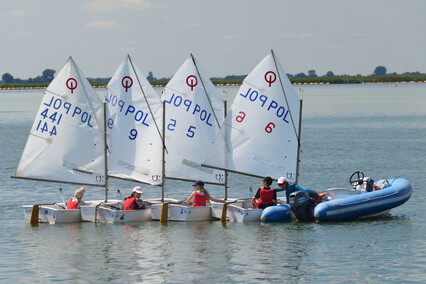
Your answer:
<point x="293" y="80"/>
<point x="379" y="76"/>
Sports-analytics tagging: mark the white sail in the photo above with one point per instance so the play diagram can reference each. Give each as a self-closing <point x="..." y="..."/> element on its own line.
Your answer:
<point x="134" y="123"/>
<point x="194" y="112"/>
<point x="260" y="134"/>
<point x="66" y="142"/>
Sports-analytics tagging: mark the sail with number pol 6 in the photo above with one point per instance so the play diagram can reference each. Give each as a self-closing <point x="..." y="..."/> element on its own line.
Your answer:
<point x="66" y="142"/>
<point x="194" y="111"/>
<point x="134" y="123"/>
<point x="260" y="135"/>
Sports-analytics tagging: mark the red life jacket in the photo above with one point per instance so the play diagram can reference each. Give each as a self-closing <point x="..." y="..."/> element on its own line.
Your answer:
<point x="266" y="196"/>
<point x="72" y="204"/>
<point x="129" y="204"/>
<point x="199" y="199"/>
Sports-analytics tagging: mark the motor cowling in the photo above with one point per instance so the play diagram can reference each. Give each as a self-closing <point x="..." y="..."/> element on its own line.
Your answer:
<point x="302" y="204"/>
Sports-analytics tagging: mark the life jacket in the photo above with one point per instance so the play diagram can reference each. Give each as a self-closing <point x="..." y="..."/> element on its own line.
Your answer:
<point x="266" y="197"/>
<point x="199" y="199"/>
<point x="72" y="204"/>
<point x="129" y="204"/>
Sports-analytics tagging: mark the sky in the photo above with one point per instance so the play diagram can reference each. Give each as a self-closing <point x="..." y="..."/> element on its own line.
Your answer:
<point x="227" y="37"/>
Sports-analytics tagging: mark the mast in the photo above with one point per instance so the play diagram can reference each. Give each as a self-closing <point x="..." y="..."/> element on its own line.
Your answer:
<point x="297" y="133"/>
<point x="285" y="96"/>
<point x="163" y="167"/>
<point x="298" y="141"/>
<point x="105" y="154"/>
<point x="226" y="172"/>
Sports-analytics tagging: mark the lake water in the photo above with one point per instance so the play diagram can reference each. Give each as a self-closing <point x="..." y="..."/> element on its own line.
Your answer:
<point x="379" y="129"/>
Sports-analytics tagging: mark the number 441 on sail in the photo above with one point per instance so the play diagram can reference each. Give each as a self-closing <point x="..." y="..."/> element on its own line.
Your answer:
<point x="44" y="127"/>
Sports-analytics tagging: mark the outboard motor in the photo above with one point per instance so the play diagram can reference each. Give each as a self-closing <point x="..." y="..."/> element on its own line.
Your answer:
<point x="302" y="204"/>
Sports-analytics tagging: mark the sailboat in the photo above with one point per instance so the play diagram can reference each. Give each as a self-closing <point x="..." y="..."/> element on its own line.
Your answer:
<point x="193" y="112"/>
<point x="133" y="127"/>
<point x="261" y="133"/>
<point x="66" y="143"/>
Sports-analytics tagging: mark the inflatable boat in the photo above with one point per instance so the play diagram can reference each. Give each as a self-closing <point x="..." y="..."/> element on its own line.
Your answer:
<point x="365" y="200"/>
<point x="395" y="193"/>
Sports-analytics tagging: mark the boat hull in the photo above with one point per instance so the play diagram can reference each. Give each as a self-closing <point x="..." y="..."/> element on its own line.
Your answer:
<point x="240" y="210"/>
<point x="110" y="215"/>
<point x="56" y="213"/>
<point x="365" y="204"/>
<point x="183" y="213"/>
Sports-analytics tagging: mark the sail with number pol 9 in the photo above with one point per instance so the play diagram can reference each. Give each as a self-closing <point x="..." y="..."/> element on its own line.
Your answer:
<point x="134" y="124"/>
<point x="260" y="135"/>
<point x="193" y="113"/>
<point x="66" y="142"/>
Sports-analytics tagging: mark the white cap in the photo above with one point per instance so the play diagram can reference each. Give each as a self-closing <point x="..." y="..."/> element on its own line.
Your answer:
<point x="281" y="180"/>
<point x="137" y="189"/>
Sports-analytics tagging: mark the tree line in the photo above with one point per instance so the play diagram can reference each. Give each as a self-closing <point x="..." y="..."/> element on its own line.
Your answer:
<point x="48" y="74"/>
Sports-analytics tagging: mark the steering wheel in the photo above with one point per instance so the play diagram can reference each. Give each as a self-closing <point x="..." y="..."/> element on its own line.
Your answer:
<point x="359" y="177"/>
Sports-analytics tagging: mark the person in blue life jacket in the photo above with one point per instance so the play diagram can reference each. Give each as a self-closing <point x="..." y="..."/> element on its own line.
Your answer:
<point x="265" y="196"/>
<point x="200" y="195"/>
<point x="290" y="187"/>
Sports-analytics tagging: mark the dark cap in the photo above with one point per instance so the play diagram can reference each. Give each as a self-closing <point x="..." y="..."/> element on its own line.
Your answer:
<point x="199" y="183"/>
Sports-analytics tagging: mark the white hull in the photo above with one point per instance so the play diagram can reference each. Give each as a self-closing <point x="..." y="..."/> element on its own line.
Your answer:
<point x="56" y="213"/>
<point x="183" y="213"/>
<point x="105" y="214"/>
<point x="239" y="211"/>
<point x="110" y="213"/>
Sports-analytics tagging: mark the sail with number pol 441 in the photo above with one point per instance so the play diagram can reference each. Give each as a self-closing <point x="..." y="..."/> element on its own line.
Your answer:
<point x="66" y="142"/>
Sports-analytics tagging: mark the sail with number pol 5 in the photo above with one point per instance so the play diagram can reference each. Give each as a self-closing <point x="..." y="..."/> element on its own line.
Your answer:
<point x="260" y="135"/>
<point x="193" y="113"/>
<point x="66" y="142"/>
<point x="134" y="123"/>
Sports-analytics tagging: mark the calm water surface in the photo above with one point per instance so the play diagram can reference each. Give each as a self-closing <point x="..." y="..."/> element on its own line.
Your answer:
<point x="379" y="129"/>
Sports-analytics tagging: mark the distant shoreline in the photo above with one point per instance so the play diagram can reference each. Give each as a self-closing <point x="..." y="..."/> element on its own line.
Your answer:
<point x="384" y="79"/>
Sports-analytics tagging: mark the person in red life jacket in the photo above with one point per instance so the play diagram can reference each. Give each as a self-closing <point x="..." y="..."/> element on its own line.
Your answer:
<point x="134" y="201"/>
<point x="266" y="195"/>
<point x="201" y="195"/>
<point x="75" y="202"/>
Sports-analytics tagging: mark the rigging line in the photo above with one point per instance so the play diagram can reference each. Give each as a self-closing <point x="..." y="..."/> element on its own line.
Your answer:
<point x="285" y="97"/>
<point x="176" y="91"/>
<point x="85" y="94"/>
<point x="55" y="94"/>
<point x="245" y="82"/>
<point x="146" y="100"/>
<point x="99" y="125"/>
<point x="207" y="95"/>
